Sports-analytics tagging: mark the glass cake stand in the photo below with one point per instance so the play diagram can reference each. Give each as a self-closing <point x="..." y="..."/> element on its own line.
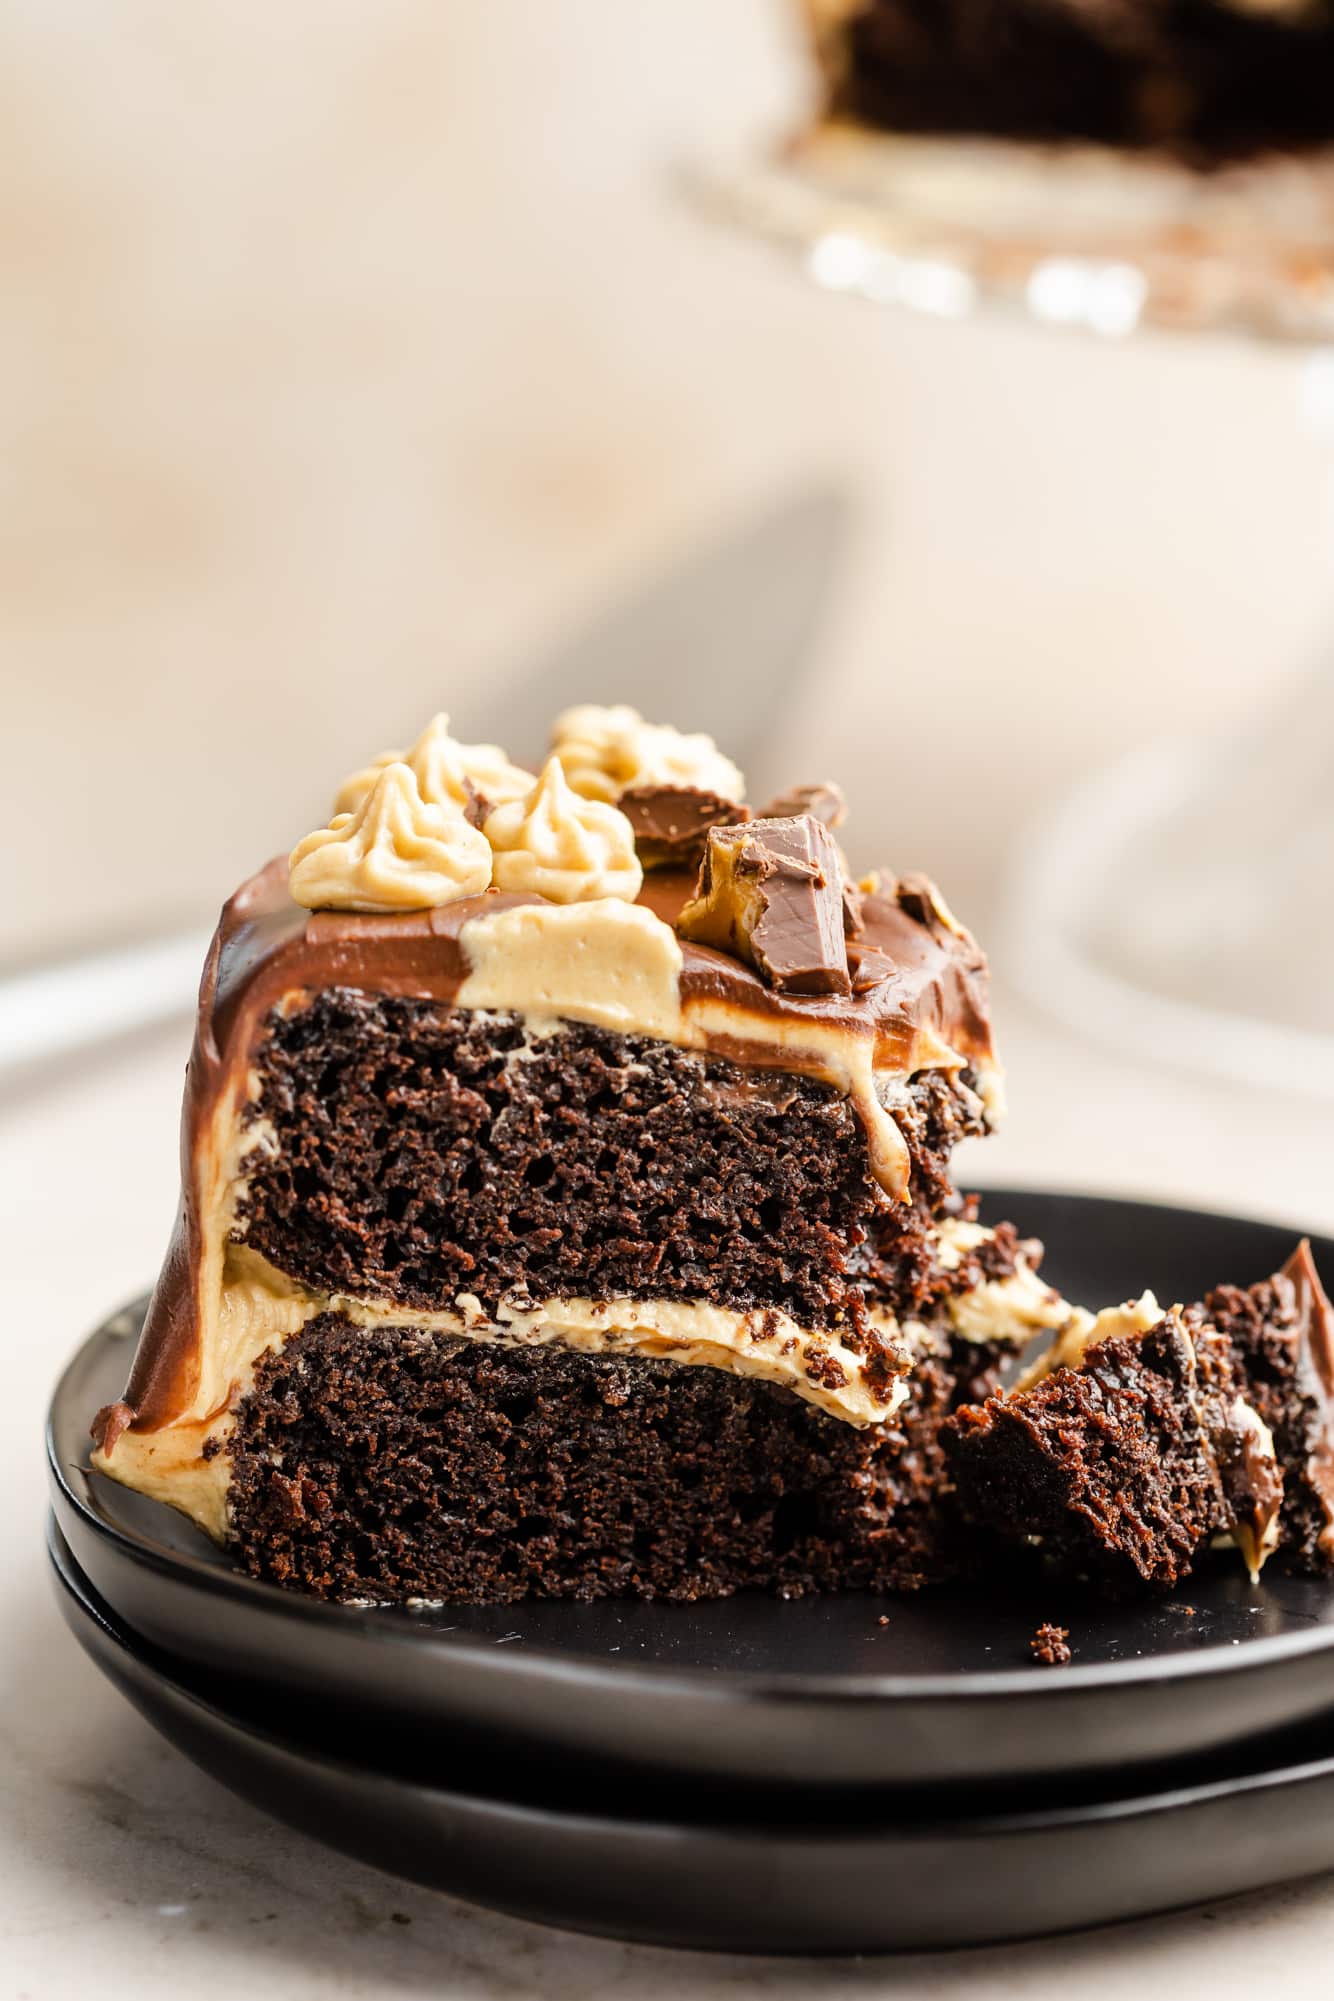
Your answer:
<point x="1078" y="236"/>
<point x="1183" y="901"/>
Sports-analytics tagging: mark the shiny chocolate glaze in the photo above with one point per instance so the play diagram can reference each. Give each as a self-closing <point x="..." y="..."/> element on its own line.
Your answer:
<point x="268" y="951"/>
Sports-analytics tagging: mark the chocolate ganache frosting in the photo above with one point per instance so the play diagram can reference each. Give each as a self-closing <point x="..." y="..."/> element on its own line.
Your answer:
<point x="926" y="1010"/>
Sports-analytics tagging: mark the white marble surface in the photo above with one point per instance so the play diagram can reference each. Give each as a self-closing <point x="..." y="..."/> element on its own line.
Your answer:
<point x="124" y="1871"/>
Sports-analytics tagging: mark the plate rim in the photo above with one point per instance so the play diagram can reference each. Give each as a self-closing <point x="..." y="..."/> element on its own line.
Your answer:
<point x="845" y="1828"/>
<point x="367" y="1625"/>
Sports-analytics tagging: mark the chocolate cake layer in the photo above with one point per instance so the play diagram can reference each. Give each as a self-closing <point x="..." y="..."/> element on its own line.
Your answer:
<point x="416" y="1153"/>
<point x="393" y="1464"/>
<point x="1212" y="79"/>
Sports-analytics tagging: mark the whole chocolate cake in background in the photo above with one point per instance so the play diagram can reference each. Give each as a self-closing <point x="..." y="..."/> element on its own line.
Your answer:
<point x="567" y="1204"/>
<point x="1211" y="80"/>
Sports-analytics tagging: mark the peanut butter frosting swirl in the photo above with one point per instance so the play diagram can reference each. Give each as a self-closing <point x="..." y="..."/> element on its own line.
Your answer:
<point x="397" y="851"/>
<point x="448" y="773"/>
<point x="558" y="845"/>
<point x="607" y="751"/>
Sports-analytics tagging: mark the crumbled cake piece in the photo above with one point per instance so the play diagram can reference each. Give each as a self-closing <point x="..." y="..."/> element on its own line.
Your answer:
<point x="1137" y="1437"/>
<point x="1048" y="1645"/>
<point x="1281" y="1334"/>
<point x="1122" y="1468"/>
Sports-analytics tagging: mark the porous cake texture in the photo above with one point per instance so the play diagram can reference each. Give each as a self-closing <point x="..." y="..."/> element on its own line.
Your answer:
<point x="1139" y="1437"/>
<point x="426" y="1153"/>
<point x="397" y="1463"/>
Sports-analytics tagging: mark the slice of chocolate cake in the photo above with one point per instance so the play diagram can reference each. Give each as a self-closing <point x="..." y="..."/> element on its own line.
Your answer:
<point x="566" y="1201"/>
<point x="1211" y="80"/>
<point x="1137" y="1437"/>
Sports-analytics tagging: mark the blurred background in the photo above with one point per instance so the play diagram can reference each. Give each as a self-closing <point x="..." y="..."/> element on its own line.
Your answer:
<point x="362" y="356"/>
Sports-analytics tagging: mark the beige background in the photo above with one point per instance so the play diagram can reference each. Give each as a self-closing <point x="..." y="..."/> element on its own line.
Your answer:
<point x="352" y="351"/>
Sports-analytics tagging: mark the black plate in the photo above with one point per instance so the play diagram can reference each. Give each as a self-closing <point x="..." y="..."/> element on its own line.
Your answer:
<point x="752" y="1690"/>
<point x="616" y="1864"/>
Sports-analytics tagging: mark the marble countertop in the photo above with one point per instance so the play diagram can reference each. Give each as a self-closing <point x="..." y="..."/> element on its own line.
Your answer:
<point x="124" y="1871"/>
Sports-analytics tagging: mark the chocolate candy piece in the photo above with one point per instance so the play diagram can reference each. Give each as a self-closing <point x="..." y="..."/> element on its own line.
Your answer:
<point x="868" y="967"/>
<point x="671" y="822"/>
<point x="772" y="893"/>
<point x="825" y="803"/>
<point x="918" y="895"/>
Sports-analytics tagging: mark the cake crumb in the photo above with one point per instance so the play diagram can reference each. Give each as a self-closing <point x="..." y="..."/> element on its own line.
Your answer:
<point x="1048" y="1645"/>
<point x="883" y="1620"/>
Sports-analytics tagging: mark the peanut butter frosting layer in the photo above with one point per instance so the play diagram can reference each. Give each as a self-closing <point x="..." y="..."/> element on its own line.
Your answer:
<point x="186" y="1462"/>
<point x="923" y="1005"/>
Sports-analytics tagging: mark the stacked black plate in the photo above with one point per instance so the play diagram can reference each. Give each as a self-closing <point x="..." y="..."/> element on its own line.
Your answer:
<point x="845" y="1775"/>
